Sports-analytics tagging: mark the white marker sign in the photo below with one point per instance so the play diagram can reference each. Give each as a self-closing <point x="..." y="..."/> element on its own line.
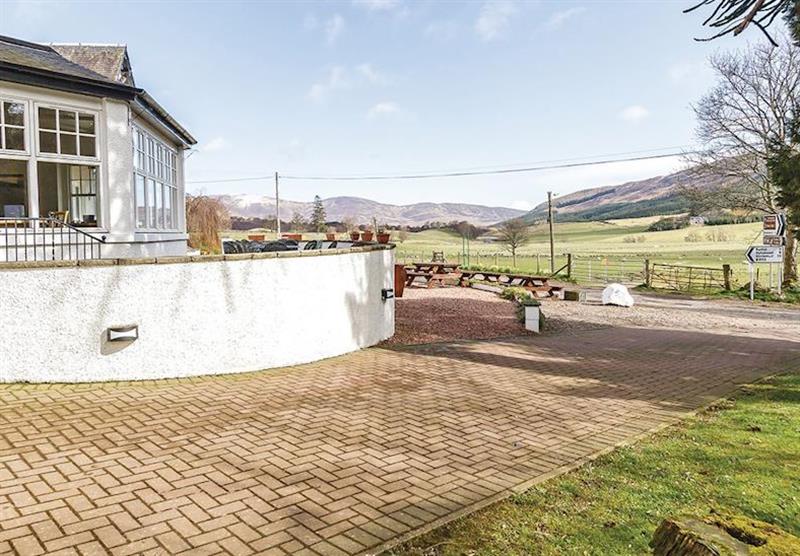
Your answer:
<point x="764" y="254"/>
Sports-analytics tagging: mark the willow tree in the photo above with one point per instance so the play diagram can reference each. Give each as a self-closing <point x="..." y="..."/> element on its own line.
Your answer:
<point x="742" y="122"/>
<point x="205" y="218"/>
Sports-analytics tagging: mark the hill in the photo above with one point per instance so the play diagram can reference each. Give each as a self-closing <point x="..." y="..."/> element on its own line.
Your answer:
<point x="649" y="197"/>
<point x="364" y="210"/>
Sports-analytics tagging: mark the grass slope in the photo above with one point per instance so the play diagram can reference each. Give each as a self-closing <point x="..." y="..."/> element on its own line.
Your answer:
<point x="742" y="457"/>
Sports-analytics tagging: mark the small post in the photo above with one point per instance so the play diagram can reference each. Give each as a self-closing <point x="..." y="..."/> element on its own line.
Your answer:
<point x="648" y="280"/>
<point x="752" y="285"/>
<point x="552" y="241"/>
<point x="277" y="209"/>
<point x="569" y="265"/>
<point x="538" y="265"/>
<point x="726" y="277"/>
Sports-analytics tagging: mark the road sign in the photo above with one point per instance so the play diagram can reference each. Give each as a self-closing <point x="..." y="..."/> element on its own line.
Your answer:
<point x="775" y="224"/>
<point x="764" y="254"/>
<point x="775" y="241"/>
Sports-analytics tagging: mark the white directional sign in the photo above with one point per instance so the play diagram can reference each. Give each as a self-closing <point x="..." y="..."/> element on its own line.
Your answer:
<point x="775" y="224"/>
<point x="764" y="254"/>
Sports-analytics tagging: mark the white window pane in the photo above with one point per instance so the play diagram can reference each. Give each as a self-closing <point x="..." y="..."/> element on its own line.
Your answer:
<point x="141" y="210"/>
<point x="168" y="210"/>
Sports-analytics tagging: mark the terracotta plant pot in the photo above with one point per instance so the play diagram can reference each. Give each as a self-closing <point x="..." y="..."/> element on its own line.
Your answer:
<point x="296" y="237"/>
<point x="330" y="237"/>
<point x="366" y="236"/>
<point x="354" y="236"/>
<point x="256" y="237"/>
<point x="384" y="238"/>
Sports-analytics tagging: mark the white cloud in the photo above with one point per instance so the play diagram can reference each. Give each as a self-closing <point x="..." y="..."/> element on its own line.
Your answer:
<point x="385" y="108"/>
<point x="216" y="144"/>
<point x="368" y="72"/>
<point x="335" y="79"/>
<point x="494" y="19"/>
<point x="560" y="17"/>
<point x="522" y="205"/>
<point x="376" y="5"/>
<point x="634" y="114"/>
<point x="334" y="27"/>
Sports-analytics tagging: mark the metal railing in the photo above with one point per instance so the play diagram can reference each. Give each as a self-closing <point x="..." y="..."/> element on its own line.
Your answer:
<point x="46" y="239"/>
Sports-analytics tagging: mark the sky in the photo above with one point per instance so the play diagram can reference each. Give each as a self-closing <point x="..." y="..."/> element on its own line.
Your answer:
<point x="387" y="87"/>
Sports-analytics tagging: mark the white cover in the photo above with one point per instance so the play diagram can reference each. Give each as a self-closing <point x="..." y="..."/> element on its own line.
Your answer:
<point x="617" y="294"/>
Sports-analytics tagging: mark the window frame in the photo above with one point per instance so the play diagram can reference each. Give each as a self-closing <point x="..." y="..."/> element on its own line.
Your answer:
<point x="57" y="131"/>
<point x="155" y="161"/>
<point x="26" y="120"/>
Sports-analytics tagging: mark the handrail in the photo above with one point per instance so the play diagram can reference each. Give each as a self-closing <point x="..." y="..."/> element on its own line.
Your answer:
<point x="46" y="239"/>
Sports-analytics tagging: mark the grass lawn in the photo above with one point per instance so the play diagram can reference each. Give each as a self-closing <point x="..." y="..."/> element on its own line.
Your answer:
<point x="741" y="457"/>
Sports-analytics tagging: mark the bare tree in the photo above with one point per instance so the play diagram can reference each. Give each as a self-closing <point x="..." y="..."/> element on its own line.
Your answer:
<point x="205" y="217"/>
<point x="740" y="121"/>
<point x="514" y="234"/>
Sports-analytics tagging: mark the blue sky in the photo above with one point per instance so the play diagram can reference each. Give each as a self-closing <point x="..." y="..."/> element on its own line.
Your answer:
<point x="383" y="86"/>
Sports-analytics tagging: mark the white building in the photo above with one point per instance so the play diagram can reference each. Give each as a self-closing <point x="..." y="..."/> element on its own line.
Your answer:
<point x="90" y="165"/>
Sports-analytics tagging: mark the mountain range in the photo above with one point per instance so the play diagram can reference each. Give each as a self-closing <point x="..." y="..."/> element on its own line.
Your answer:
<point x="363" y="211"/>
<point x="649" y="197"/>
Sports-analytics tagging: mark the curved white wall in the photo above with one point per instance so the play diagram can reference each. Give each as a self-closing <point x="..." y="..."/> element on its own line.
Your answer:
<point x="195" y="318"/>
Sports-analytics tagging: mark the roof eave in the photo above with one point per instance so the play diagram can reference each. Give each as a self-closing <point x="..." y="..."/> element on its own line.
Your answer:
<point x="149" y="105"/>
<point x="70" y="83"/>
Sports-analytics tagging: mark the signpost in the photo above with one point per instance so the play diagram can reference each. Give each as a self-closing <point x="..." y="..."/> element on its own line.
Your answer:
<point x="773" y="240"/>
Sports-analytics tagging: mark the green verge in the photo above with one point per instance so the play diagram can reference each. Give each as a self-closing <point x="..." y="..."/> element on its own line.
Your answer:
<point x="741" y="456"/>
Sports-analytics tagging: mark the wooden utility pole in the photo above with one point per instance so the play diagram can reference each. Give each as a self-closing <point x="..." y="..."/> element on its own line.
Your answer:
<point x="552" y="241"/>
<point x="277" y="209"/>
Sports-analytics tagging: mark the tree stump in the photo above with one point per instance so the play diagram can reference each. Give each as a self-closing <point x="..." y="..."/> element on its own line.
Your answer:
<point x="722" y="535"/>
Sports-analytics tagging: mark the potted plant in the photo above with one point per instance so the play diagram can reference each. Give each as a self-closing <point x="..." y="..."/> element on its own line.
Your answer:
<point x="355" y="234"/>
<point x="330" y="235"/>
<point x="366" y="235"/>
<point x="383" y="235"/>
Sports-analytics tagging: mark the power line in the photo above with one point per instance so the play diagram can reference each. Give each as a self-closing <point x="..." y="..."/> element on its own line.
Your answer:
<point x="534" y="168"/>
<point x="480" y="172"/>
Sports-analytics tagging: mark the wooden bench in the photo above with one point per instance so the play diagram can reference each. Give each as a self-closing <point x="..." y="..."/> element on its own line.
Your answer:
<point x="539" y="285"/>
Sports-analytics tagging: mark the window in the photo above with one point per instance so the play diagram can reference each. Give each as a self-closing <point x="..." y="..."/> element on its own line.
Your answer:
<point x="67" y="132"/>
<point x="12" y="126"/>
<point x="155" y="182"/>
<point x="13" y="188"/>
<point x="68" y="191"/>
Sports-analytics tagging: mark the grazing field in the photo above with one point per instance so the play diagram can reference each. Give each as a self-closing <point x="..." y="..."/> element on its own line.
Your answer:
<point x="739" y="457"/>
<point x="605" y="243"/>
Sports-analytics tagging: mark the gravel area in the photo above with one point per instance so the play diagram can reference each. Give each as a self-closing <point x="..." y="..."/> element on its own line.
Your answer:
<point x="723" y="316"/>
<point x="424" y="316"/>
<point x="446" y="314"/>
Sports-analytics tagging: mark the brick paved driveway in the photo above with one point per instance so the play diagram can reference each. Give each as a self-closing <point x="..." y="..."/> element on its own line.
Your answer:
<point x="343" y="455"/>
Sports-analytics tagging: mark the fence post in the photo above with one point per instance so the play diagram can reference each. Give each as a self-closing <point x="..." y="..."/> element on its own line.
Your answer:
<point x="569" y="265"/>
<point x="648" y="280"/>
<point x="538" y="267"/>
<point x="726" y="276"/>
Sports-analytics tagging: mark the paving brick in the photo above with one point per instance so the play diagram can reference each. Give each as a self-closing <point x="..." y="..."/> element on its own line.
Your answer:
<point x="339" y="456"/>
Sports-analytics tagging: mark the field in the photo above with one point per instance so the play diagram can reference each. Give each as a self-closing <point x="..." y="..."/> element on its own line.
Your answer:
<point x="610" y="245"/>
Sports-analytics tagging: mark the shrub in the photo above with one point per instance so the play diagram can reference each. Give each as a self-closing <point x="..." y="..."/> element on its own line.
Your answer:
<point x="717" y="235"/>
<point x="693" y="237"/>
<point x="634" y="239"/>
<point x="669" y="223"/>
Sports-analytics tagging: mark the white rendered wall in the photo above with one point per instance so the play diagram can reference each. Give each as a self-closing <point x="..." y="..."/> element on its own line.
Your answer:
<point x="194" y="318"/>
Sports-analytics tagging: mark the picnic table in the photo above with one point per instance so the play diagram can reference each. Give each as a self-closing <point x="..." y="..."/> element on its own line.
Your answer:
<point x="433" y="273"/>
<point x="539" y="285"/>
